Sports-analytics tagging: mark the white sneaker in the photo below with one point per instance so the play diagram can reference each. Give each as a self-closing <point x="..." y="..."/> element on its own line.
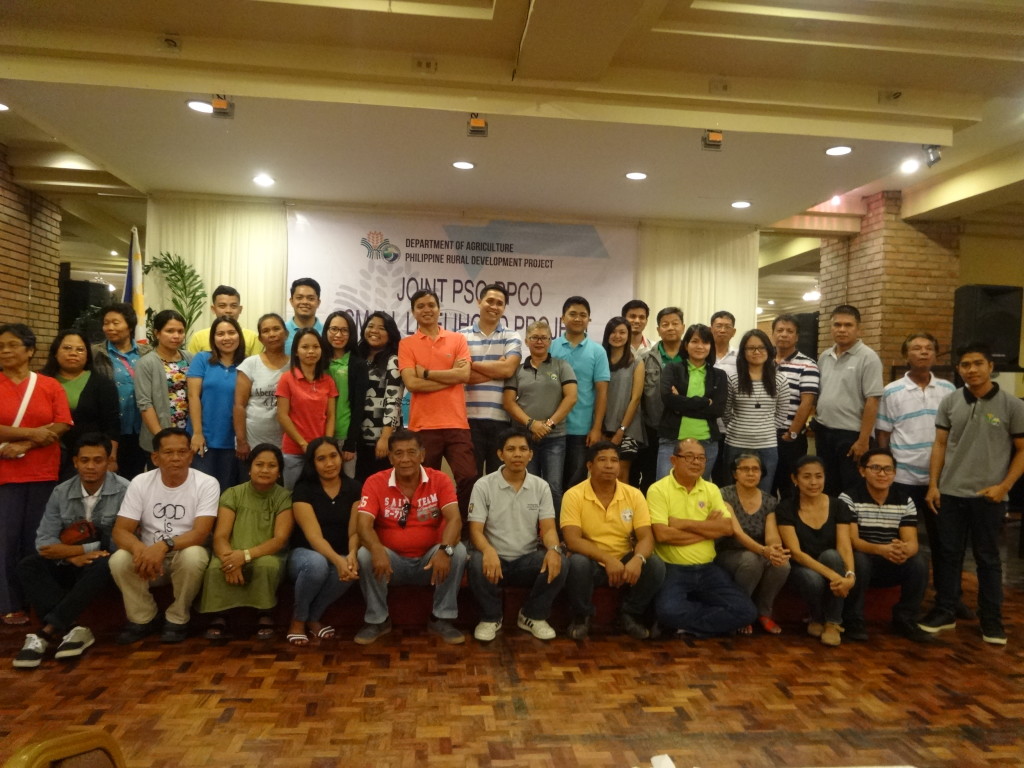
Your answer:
<point x="31" y="653"/>
<point x="536" y="627"/>
<point x="74" y="643"/>
<point x="486" y="631"/>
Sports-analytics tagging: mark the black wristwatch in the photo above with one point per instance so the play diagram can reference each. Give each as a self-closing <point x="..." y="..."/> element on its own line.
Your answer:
<point x="448" y="549"/>
<point x="169" y="541"/>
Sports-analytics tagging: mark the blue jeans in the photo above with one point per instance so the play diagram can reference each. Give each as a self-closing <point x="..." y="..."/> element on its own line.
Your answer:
<point x="667" y="447"/>
<point x="316" y="583"/>
<point x="983" y="520"/>
<point x="21" y="505"/>
<point x="548" y="462"/>
<point x="585" y="574"/>
<point x="755" y="575"/>
<point x="410" y="570"/>
<point x="292" y="470"/>
<point x="518" y="572"/>
<point x="220" y="463"/>
<point x="876" y="571"/>
<point x="769" y="458"/>
<point x="702" y="600"/>
<point x="814" y="588"/>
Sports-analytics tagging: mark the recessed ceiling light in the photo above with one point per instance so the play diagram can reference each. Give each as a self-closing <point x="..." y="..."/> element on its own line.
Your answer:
<point x="263" y="179"/>
<point x="910" y="165"/>
<point x="463" y="165"/>
<point x="836" y="199"/>
<point x="636" y="176"/>
<point x="201" y="106"/>
<point x="741" y="204"/>
<point x="4" y="107"/>
<point x="113" y="253"/>
<point x="838" y="151"/>
<point x="814" y="295"/>
<point x="771" y="302"/>
<point x="759" y="310"/>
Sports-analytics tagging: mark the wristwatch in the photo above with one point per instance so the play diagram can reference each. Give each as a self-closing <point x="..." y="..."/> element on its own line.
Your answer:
<point x="247" y="555"/>
<point x="448" y="549"/>
<point x="559" y="548"/>
<point x="794" y="435"/>
<point x="169" y="542"/>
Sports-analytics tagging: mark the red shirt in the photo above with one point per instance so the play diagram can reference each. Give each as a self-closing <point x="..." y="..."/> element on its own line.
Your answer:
<point x="446" y="408"/>
<point x="307" y="406"/>
<point x="48" y="405"/>
<point x="383" y="500"/>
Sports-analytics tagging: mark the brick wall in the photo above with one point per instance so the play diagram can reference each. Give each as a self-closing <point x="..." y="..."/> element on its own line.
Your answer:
<point x="900" y="275"/>
<point x="29" y="259"/>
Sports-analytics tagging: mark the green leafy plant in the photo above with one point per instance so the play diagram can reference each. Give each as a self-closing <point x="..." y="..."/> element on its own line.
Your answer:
<point x="188" y="295"/>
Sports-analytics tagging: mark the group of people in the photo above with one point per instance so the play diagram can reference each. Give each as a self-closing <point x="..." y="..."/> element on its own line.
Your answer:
<point x="579" y="464"/>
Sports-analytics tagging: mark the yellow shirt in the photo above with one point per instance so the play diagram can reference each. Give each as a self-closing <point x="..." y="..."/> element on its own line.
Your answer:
<point x="610" y="529"/>
<point x="200" y="342"/>
<point x="667" y="498"/>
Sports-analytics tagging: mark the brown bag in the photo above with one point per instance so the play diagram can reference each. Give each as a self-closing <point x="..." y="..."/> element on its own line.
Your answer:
<point x="79" y="532"/>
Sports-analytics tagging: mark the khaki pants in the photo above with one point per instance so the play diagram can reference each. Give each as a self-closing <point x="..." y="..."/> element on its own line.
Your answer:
<point x="182" y="569"/>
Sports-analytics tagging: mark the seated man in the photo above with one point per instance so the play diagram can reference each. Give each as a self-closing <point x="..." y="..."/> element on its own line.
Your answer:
<point x="507" y="509"/>
<point x="687" y="515"/>
<point x="59" y="593"/>
<point x="161" y="534"/>
<point x="409" y="527"/>
<point x="601" y="518"/>
<point x="885" y="551"/>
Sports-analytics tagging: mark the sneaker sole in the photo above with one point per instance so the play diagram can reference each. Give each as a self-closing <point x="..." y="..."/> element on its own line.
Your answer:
<point x="26" y="664"/>
<point x="994" y="640"/>
<point x="936" y="630"/>
<point x="371" y="640"/>
<point x="527" y="628"/>
<point x="74" y="652"/>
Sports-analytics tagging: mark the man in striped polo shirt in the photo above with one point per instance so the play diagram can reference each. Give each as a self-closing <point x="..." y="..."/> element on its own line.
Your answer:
<point x="496" y="353"/>
<point x="801" y="373"/>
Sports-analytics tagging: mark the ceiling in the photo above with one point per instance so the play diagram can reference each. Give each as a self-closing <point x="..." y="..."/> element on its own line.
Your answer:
<point x="365" y="103"/>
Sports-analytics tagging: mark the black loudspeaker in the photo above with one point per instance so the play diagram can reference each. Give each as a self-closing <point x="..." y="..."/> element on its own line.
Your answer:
<point x="808" y="330"/>
<point x="989" y="314"/>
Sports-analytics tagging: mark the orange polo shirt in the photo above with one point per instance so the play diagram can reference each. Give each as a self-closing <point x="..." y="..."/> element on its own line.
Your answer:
<point x="446" y="408"/>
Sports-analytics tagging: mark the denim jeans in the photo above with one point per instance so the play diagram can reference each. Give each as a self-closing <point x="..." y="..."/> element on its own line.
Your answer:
<point x="814" y="588"/>
<point x="548" y="462"/>
<point x="876" y="571"/>
<point x="59" y="592"/>
<point x="585" y="574"/>
<point x="667" y="447"/>
<point x="410" y="570"/>
<point x="755" y="575"/>
<point x="769" y="459"/>
<point x="983" y="520"/>
<point x="702" y="600"/>
<point x="518" y="572"/>
<point x="21" y="505"/>
<point x="316" y="583"/>
<point x="292" y="470"/>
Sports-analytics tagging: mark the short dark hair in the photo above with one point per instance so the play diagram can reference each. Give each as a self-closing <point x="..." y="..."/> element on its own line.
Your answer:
<point x="787" y="318"/>
<point x="270" y="316"/>
<point x="403" y="435"/>
<point x="493" y="287"/>
<point x="124" y="309"/>
<point x="723" y="313"/>
<point x="264" y="448"/>
<point x="419" y="295"/>
<point x="601" y="445"/>
<point x="575" y="300"/>
<point x="226" y="290"/>
<point x="51" y="367"/>
<point x="744" y="456"/>
<point x="919" y="335"/>
<point x="636" y="304"/>
<point x="167" y="432"/>
<point x="94" y="440"/>
<point x="866" y="456"/>
<point x="309" y="473"/>
<point x="164" y="316"/>
<point x="702" y="332"/>
<point x="22" y="331"/>
<point x="974" y="347"/>
<point x="846" y="309"/>
<point x="239" y="354"/>
<point x="309" y="282"/>
<point x="670" y="311"/>
<point x="511" y="432"/>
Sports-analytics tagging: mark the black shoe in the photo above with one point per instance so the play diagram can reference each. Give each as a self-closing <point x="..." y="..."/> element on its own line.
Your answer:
<point x="173" y="633"/>
<point x="632" y="627"/>
<point x="911" y="631"/>
<point x="992" y="632"/>
<point x="579" y="628"/>
<point x="857" y="631"/>
<point x="964" y="613"/>
<point x="937" y="620"/>
<point x="133" y="632"/>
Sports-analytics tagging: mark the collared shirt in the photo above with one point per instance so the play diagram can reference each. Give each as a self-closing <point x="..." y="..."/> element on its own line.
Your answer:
<point x="539" y="390"/>
<point x="123" y="374"/>
<point x="879" y="523"/>
<point x="384" y="501"/>
<point x="67" y="504"/>
<point x="907" y="411"/>
<point x="668" y="499"/>
<point x="803" y="378"/>
<point x="483" y="401"/>
<point x="847" y="381"/>
<point x="307" y="406"/>
<point x="610" y="528"/>
<point x="590" y="364"/>
<point x="511" y="517"/>
<point x="645" y="344"/>
<point x="200" y="342"/>
<point x="446" y="408"/>
<point x="292" y="329"/>
<point x="727" y="363"/>
<point x="696" y="385"/>
<point x="217" y="396"/>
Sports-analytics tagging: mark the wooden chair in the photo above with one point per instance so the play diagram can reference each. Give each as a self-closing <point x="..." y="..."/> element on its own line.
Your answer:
<point x="84" y="749"/>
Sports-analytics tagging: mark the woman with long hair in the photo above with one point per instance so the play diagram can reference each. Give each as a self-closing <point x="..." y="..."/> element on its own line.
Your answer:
<point x="622" y="422"/>
<point x="91" y="396"/>
<point x="306" y="397"/>
<point x="351" y="377"/>
<point x="382" y="409"/>
<point x="161" y="388"/>
<point x="255" y="411"/>
<point x="695" y="394"/>
<point x="211" y="399"/>
<point x="758" y="403"/>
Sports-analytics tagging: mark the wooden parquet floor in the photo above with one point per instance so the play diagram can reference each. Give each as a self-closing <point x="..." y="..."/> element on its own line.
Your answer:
<point x="409" y="700"/>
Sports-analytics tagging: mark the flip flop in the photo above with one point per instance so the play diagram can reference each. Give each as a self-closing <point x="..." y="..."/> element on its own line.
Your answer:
<point x="325" y="633"/>
<point x="768" y="625"/>
<point x="266" y="628"/>
<point x="297" y="639"/>
<point x="218" y="630"/>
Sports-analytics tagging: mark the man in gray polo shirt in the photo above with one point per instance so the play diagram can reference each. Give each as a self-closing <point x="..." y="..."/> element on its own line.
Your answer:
<point x="507" y="510"/>
<point x="851" y="385"/>
<point x="977" y="457"/>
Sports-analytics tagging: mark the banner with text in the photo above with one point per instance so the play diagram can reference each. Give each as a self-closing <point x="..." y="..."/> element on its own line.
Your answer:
<point x="365" y="262"/>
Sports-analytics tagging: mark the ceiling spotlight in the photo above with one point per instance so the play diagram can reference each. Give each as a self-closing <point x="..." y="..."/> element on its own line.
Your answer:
<point x="636" y="176"/>
<point x="110" y="287"/>
<point x="836" y="199"/>
<point x="814" y="295"/>
<point x="712" y="140"/>
<point x="463" y="165"/>
<point x="838" y="151"/>
<point x="771" y="302"/>
<point x="759" y="310"/>
<point x="741" y="204"/>
<point x="201" y="106"/>
<point x="4" y="107"/>
<point x="909" y="166"/>
<point x="932" y="154"/>
<point x="263" y="179"/>
<point x="113" y="253"/>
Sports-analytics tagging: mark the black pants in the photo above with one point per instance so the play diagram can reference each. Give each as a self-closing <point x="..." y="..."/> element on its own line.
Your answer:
<point x="58" y="592"/>
<point x="789" y="452"/>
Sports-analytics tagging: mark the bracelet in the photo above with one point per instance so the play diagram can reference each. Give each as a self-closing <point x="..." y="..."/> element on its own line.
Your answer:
<point x="622" y="427"/>
<point x="643" y="560"/>
<point x="550" y="423"/>
<point x="247" y="555"/>
<point x="851" y="574"/>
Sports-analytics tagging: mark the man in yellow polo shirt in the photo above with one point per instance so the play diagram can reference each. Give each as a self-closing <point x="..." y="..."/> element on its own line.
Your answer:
<point x="687" y="515"/>
<point x="601" y="519"/>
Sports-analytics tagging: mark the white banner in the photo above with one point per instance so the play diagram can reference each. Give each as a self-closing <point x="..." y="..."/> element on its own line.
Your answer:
<point x="366" y="262"/>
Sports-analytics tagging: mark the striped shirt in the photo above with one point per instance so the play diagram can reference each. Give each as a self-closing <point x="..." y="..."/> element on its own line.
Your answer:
<point x="908" y="412"/>
<point x="752" y="418"/>
<point x="483" y="401"/>
<point x="802" y="375"/>
<point x="879" y="523"/>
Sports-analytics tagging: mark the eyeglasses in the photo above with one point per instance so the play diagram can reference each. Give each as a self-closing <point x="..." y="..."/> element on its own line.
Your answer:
<point x="404" y="517"/>
<point x="538" y="339"/>
<point x="337" y="332"/>
<point x="698" y="458"/>
<point x="756" y="349"/>
<point x="882" y="469"/>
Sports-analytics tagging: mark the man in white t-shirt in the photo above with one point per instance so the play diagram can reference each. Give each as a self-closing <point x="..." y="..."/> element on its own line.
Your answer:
<point x="161" y="532"/>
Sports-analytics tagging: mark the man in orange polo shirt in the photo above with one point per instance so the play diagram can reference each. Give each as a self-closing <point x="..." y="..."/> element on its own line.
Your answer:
<point x="435" y="366"/>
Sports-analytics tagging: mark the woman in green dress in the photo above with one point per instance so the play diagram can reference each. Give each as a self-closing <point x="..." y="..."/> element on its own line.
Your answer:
<point x="254" y="522"/>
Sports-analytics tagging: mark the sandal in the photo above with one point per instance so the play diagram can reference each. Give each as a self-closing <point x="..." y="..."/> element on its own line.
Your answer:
<point x="297" y="639"/>
<point x="218" y="630"/>
<point x="325" y="633"/>
<point x="747" y="630"/>
<point x="266" y="628"/>
<point x="768" y="625"/>
<point x="15" y="618"/>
